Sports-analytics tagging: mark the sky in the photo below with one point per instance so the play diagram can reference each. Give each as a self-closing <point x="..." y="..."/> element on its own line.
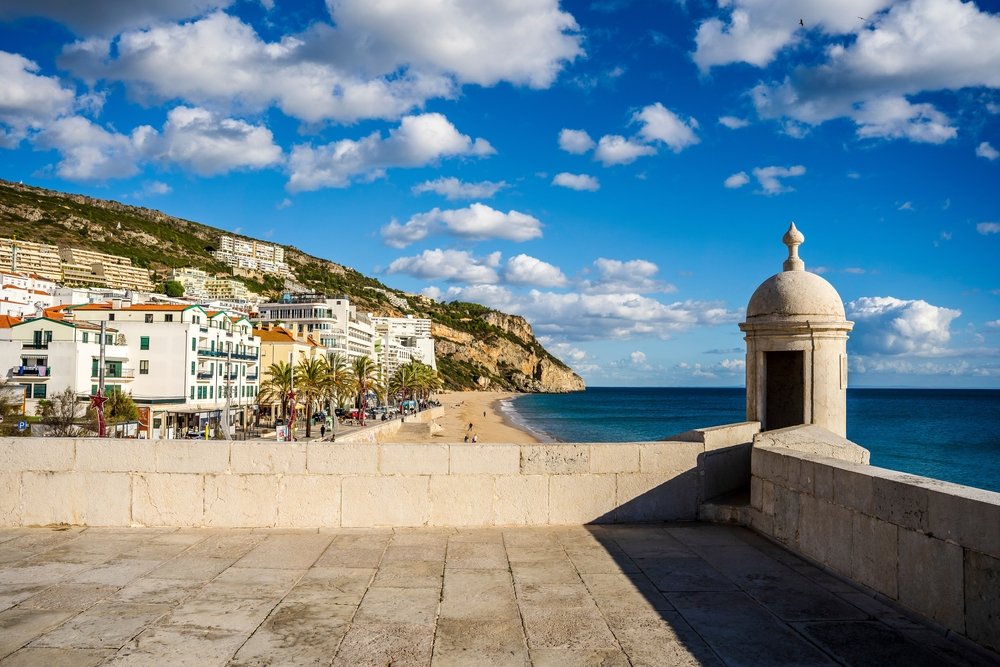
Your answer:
<point x="619" y="172"/>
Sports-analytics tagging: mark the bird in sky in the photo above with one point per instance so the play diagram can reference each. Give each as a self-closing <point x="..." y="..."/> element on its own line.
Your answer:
<point x="802" y="23"/>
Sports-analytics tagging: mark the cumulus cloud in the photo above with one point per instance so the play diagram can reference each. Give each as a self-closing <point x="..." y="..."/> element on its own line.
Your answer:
<point x="616" y="149"/>
<point x="28" y="101"/>
<point x="577" y="142"/>
<point x="987" y="228"/>
<point x="576" y="181"/>
<point x="637" y="358"/>
<point x="732" y="122"/>
<point x="91" y="153"/>
<point x="769" y="178"/>
<point x="109" y="17"/>
<point x="985" y="150"/>
<point x="476" y="222"/>
<point x="632" y="276"/>
<point x="207" y="144"/>
<point x="418" y="141"/>
<point x="526" y="270"/>
<point x="737" y="180"/>
<point x="451" y="188"/>
<point x="449" y="265"/>
<point x="915" y="46"/>
<point x="660" y="124"/>
<point x="889" y="326"/>
<point x="372" y="64"/>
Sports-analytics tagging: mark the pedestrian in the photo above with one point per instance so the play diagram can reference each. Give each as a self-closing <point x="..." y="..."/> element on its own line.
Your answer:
<point x="475" y="437"/>
<point x="470" y="426"/>
<point x="484" y="414"/>
<point x="466" y="438"/>
<point x="322" y="431"/>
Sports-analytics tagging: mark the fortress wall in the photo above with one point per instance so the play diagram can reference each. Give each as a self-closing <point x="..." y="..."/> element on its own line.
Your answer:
<point x="930" y="545"/>
<point x="319" y="484"/>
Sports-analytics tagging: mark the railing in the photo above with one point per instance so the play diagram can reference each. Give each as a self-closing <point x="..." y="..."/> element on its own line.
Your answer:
<point x="111" y="374"/>
<point x="35" y="346"/>
<point x="250" y="357"/>
<point x="252" y="378"/>
<point x="205" y="352"/>
<point x="205" y="375"/>
<point x="37" y="371"/>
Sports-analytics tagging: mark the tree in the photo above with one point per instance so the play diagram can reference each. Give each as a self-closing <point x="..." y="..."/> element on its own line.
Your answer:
<point x="311" y="377"/>
<point x="173" y="288"/>
<point x="120" y="408"/>
<point x="274" y="390"/>
<point x="340" y="381"/>
<point x="63" y="415"/>
<point x="365" y="373"/>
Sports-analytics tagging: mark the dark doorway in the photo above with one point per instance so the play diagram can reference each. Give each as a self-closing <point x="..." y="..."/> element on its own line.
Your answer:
<point x="785" y="391"/>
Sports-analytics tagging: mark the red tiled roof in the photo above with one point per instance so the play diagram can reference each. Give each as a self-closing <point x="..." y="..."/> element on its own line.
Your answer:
<point x="7" y="321"/>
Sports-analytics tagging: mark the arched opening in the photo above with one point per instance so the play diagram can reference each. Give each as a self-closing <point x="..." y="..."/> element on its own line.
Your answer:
<point x="784" y="395"/>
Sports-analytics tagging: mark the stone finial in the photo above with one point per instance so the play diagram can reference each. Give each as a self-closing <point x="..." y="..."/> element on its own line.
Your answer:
<point x="793" y="238"/>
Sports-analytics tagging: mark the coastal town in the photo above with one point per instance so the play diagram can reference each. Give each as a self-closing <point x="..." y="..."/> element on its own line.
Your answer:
<point x="205" y="356"/>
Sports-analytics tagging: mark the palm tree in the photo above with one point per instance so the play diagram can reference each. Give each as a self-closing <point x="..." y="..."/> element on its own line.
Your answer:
<point x="403" y="381"/>
<point x="426" y="380"/>
<point x="365" y="373"/>
<point x="311" y="378"/>
<point x="275" y="388"/>
<point x="341" y="379"/>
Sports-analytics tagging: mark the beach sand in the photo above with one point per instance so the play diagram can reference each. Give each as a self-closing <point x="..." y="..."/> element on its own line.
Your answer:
<point x="462" y="408"/>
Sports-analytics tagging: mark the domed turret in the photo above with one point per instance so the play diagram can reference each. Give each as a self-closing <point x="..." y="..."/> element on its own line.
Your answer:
<point x="796" y="334"/>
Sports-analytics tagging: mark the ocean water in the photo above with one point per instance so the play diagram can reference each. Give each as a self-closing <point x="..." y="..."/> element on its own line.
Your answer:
<point x="948" y="434"/>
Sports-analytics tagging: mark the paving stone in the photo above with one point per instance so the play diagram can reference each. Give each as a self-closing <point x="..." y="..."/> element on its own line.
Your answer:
<point x="37" y="569"/>
<point x="20" y="626"/>
<point x="560" y="657"/>
<point x="625" y="590"/>
<point x="225" y="615"/>
<point x="416" y="574"/>
<point x="191" y="568"/>
<point x="559" y="572"/>
<point x="795" y="598"/>
<point x="478" y="595"/>
<point x="178" y="647"/>
<point x="866" y="644"/>
<point x="116" y="572"/>
<point x="548" y="627"/>
<point x="408" y="606"/>
<point x="476" y="556"/>
<point x="335" y="585"/>
<point x="248" y="582"/>
<point x="157" y="591"/>
<point x="481" y="642"/>
<point x="684" y="574"/>
<point x="706" y="535"/>
<point x="12" y="594"/>
<point x="663" y="638"/>
<point x="105" y="625"/>
<point x="381" y="644"/>
<point x="69" y="597"/>
<point x="433" y="552"/>
<point x="298" y="633"/>
<point x="230" y="545"/>
<point x="351" y="556"/>
<point x="57" y="657"/>
<point x="293" y="552"/>
<point x="599" y="560"/>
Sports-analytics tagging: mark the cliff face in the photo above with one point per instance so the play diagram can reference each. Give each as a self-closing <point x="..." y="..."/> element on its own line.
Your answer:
<point x="513" y="359"/>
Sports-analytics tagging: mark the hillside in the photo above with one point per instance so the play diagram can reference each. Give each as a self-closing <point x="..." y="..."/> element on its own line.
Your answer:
<point x="477" y="348"/>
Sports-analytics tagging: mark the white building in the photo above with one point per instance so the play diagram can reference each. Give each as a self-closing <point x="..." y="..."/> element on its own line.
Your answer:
<point x="334" y="323"/>
<point x="252" y="255"/>
<point x="190" y="365"/>
<point x="404" y="339"/>
<point x="22" y="293"/>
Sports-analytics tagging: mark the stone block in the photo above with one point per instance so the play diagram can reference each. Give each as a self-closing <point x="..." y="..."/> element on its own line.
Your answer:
<point x="669" y="456"/>
<point x="762" y="523"/>
<point x="196" y="456"/>
<point x="767" y="494"/>
<point x="897" y="500"/>
<point x="236" y="501"/>
<point x="874" y="554"/>
<point x="931" y="578"/>
<point x="168" y="499"/>
<point x="823" y="481"/>
<point x="799" y="473"/>
<point x="854" y="488"/>
<point x="49" y="454"/>
<point x="825" y="533"/>
<point x="555" y="459"/>
<point x="970" y="517"/>
<point x="767" y="464"/>
<point x="485" y="459"/>
<point x="576" y="499"/>
<point x="757" y="493"/>
<point x="399" y="500"/>
<point x="982" y="602"/>
<point x="652" y="497"/>
<point x="111" y="455"/>
<point x="461" y="500"/>
<point x="614" y="458"/>
<point x="10" y="499"/>
<point x="308" y="501"/>
<point x="342" y="459"/>
<point x="786" y="516"/>
<point x="268" y="457"/>
<point x="521" y="500"/>
<point x="76" y="498"/>
<point x="725" y="470"/>
<point x="413" y="459"/>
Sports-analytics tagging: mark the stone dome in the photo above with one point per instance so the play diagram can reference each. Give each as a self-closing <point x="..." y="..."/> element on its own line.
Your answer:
<point x="796" y="293"/>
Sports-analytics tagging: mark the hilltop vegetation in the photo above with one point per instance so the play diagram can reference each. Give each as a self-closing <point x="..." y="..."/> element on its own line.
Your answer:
<point x="159" y="242"/>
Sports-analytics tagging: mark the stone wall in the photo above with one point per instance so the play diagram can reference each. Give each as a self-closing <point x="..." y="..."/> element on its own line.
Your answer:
<point x="320" y="484"/>
<point x="376" y="431"/>
<point x="930" y="545"/>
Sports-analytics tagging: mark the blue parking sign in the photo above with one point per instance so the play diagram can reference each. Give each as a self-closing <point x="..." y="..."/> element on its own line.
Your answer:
<point x="22" y="425"/>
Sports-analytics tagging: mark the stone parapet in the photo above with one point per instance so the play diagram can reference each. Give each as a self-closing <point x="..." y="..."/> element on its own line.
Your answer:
<point x="930" y="545"/>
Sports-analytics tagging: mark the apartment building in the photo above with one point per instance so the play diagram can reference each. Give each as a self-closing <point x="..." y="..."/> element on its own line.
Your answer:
<point x="21" y="294"/>
<point x="404" y="339"/>
<point x="41" y="259"/>
<point x="278" y="344"/>
<point x="333" y="322"/>
<point x="89" y="267"/>
<point x="252" y="255"/>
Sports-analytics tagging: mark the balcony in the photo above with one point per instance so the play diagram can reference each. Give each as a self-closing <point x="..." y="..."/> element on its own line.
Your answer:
<point x="248" y="357"/>
<point x="251" y="378"/>
<point x="34" y="346"/>
<point x="31" y="371"/>
<point x="115" y="374"/>
<point x="205" y="375"/>
<point x="206" y="352"/>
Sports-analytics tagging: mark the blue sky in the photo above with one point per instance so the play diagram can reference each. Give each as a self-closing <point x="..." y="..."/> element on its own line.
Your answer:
<point x="619" y="172"/>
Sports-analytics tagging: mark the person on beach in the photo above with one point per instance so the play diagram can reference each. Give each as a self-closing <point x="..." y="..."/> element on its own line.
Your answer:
<point x="466" y="438"/>
<point x="470" y="426"/>
<point x="475" y="437"/>
<point x="322" y="431"/>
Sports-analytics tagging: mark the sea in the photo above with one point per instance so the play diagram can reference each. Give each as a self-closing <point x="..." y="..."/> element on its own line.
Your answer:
<point x="947" y="434"/>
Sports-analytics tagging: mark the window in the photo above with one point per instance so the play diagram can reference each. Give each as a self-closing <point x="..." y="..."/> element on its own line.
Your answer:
<point x="93" y="390"/>
<point x="39" y="391"/>
<point x="109" y="339"/>
<point x="86" y="336"/>
<point x="48" y="336"/>
<point x="143" y="342"/>
<point x="192" y="393"/>
<point x="143" y="367"/>
<point x="211" y="392"/>
<point x="169" y="317"/>
<point x="194" y="344"/>
<point x="111" y="316"/>
<point x="192" y="371"/>
<point x="149" y="318"/>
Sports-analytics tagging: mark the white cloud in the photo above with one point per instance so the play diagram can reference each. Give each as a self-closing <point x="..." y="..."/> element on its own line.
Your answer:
<point x="418" y="141"/>
<point x="637" y="358"/>
<point x="452" y="188"/>
<point x="915" y="46"/>
<point x="207" y="144"/>
<point x="662" y="124"/>
<point x="450" y="265"/>
<point x="994" y="324"/>
<point x="577" y="142"/>
<point x="905" y="206"/>
<point x="887" y="325"/>
<point x="737" y="180"/>
<point x="986" y="228"/>
<point x="151" y="188"/>
<point x="27" y="100"/>
<point x="632" y="276"/>
<point x="732" y="122"/>
<point x="476" y="222"/>
<point x="109" y="17"/>
<point x="770" y="178"/>
<point x="526" y="270"/>
<point x="615" y="149"/>
<point x="985" y="150"/>
<point x="576" y="181"/>
<point x="91" y="153"/>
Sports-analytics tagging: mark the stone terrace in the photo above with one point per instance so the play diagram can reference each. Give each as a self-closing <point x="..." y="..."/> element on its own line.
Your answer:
<point x="666" y="594"/>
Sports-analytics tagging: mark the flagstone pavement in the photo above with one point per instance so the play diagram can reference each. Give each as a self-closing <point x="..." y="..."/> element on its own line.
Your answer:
<point x="666" y="594"/>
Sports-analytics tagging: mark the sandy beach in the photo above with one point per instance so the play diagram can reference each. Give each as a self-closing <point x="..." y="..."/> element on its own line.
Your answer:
<point x="461" y="408"/>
